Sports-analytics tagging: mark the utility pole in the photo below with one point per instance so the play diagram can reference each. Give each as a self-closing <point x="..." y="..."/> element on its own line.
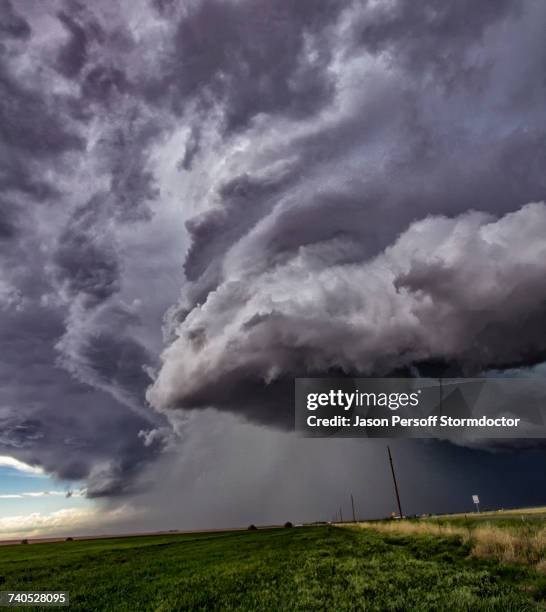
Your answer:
<point x="395" y="483"/>
<point x="353" y="507"/>
<point x="441" y="397"/>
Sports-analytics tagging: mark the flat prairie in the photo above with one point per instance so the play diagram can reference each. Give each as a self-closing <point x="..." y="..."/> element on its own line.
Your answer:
<point x="304" y="568"/>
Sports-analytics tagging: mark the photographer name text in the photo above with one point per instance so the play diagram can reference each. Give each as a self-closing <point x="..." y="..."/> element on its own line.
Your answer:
<point x="343" y="401"/>
<point x="398" y="421"/>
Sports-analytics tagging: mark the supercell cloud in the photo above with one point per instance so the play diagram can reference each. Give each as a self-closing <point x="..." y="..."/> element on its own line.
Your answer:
<point x="286" y="188"/>
<point x="387" y="225"/>
<point x="466" y="290"/>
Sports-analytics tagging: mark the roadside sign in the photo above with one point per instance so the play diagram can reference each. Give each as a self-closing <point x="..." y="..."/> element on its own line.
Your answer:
<point x="475" y="499"/>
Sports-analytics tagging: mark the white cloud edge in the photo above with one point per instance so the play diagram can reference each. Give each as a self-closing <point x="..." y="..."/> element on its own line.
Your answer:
<point x="20" y="466"/>
<point x="66" y="521"/>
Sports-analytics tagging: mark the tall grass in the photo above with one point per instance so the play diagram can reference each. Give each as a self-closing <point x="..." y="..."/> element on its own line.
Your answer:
<point x="507" y="512"/>
<point x="525" y="544"/>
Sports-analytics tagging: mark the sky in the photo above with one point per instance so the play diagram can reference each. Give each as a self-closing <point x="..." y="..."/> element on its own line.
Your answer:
<point x="201" y="200"/>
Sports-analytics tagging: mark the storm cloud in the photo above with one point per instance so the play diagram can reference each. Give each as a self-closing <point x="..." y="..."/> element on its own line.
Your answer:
<point x="466" y="290"/>
<point x="397" y="224"/>
<point x="74" y="177"/>
<point x="201" y="200"/>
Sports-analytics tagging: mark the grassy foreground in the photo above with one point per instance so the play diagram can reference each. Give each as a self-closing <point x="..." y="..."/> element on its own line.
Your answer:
<point x="312" y="568"/>
<point x="512" y="536"/>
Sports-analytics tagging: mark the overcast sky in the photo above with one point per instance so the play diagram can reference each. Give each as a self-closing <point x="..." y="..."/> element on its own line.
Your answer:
<point x="202" y="199"/>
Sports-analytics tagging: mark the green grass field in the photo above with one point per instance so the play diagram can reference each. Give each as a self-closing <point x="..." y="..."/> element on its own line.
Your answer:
<point x="309" y="568"/>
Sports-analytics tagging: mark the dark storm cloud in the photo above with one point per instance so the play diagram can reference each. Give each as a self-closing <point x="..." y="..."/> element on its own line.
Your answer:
<point x="429" y="34"/>
<point x="8" y="220"/>
<point x="464" y="290"/>
<point x="244" y="200"/>
<point x="73" y="55"/>
<point x="102" y="81"/>
<point x="48" y="419"/>
<point x="251" y="58"/>
<point x="11" y="23"/>
<point x="324" y="156"/>
<point x="28" y="124"/>
<point x="97" y="346"/>
<point x="306" y="257"/>
<point x="33" y="132"/>
<point x="85" y="266"/>
<point x="422" y="138"/>
<point x="119" y="362"/>
<point x="74" y="152"/>
<point x="96" y="57"/>
<point x="108" y="360"/>
<point x="132" y="184"/>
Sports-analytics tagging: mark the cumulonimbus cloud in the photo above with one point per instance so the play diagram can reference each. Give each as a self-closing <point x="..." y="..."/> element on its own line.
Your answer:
<point x="466" y="290"/>
<point x="268" y="161"/>
<point x="391" y="226"/>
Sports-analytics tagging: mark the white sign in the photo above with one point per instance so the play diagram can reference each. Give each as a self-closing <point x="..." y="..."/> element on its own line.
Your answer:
<point x="475" y="499"/>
